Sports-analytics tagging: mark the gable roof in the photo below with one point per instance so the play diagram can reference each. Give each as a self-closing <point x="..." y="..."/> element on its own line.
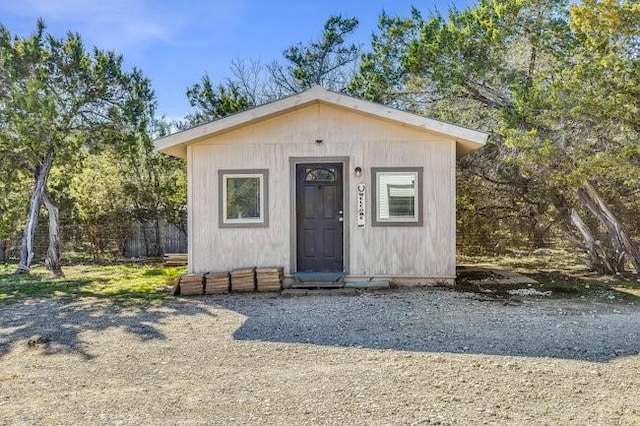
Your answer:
<point x="467" y="140"/>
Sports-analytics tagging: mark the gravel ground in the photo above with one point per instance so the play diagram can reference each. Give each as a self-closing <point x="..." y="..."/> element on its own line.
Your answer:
<point x="401" y="357"/>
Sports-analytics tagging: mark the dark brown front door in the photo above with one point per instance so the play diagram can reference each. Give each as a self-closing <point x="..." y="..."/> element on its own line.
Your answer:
<point x="319" y="217"/>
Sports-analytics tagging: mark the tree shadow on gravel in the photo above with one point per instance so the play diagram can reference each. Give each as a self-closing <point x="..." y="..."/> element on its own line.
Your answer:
<point x="443" y="321"/>
<point x="54" y="325"/>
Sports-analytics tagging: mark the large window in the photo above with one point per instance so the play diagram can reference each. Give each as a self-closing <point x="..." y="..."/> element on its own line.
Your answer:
<point x="396" y="196"/>
<point x="243" y="200"/>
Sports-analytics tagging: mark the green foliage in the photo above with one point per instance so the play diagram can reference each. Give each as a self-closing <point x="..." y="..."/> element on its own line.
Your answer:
<point x="329" y="61"/>
<point x="324" y="62"/>
<point x="121" y="282"/>
<point x="155" y="186"/>
<point x="99" y="122"/>
<point x="215" y="102"/>
<point x="58" y="103"/>
<point x="56" y="96"/>
<point x="382" y="74"/>
<point x="132" y="183"/>
<point x="173" y="191"/>
<point x="556" y="85"/>
<point x="100" y="208"/>
<point x="13" y="199"/>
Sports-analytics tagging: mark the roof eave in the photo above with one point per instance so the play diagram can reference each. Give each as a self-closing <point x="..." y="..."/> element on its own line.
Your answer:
<point x="175" y="144"/>
<point x="231" y="122"/>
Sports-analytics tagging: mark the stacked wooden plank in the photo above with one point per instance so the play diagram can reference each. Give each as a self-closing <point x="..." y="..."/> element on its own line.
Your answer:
<point x="190" y="284"/>
<point x="243" y="279"/>
<point x="216" y="282"/>
<point x="269" y="279"/>
<point x="175" y="259"/>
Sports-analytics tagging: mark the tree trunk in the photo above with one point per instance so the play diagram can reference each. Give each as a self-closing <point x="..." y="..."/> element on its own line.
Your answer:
<point x="3" y="250"/>
<point x="596" y="255"/>
<point x="53" y="252"/>
<point x="26" y="246"/>
<point x="620" y="241"/>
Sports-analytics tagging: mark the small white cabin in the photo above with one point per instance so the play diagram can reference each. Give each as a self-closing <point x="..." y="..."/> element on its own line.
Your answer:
<point x="323" y="182"/>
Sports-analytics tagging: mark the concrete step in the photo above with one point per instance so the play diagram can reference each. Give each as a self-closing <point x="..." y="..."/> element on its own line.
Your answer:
<point x="316" y="284"/>
<point x="368" y="284"/>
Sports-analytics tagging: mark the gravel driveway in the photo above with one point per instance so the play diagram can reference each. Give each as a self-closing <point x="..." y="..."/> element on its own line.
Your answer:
<point x="402" y="357"/>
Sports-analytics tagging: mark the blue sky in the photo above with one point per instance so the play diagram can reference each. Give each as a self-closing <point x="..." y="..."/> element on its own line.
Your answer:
<point x="176" y="42"/>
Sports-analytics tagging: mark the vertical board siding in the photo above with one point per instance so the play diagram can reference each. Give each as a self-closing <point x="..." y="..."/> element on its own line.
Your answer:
<point x="366" y="142"/>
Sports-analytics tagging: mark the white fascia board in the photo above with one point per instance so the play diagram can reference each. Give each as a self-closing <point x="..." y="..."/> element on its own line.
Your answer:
<point x="414" y="120"/>
<point x="174" y="144"/>
<point x="261" y="112"/>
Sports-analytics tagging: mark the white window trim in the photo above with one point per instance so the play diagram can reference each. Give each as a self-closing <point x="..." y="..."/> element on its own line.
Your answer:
<point x="417" y="219"/>
<point x="263" y="177"/>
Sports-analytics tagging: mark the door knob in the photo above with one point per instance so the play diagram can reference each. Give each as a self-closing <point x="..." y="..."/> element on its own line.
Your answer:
<point x="341" y="219"/>
<point x="340" y="212"/>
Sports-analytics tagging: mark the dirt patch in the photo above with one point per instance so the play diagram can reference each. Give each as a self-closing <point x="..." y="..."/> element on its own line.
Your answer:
<point x="478" y="275"/>
<point x="401" y="357"/>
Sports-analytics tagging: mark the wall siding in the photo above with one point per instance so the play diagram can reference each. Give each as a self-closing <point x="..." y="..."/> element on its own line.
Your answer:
<point x="427" y="251"/>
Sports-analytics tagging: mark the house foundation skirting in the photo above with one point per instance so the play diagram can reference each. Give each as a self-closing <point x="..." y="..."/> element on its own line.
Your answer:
<point x="397" y="280"/>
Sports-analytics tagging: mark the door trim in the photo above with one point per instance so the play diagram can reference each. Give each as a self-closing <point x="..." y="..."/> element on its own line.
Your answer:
<point x="346" y="196"/>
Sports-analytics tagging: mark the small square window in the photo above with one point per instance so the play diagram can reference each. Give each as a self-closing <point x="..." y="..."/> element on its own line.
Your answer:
<point x="243" y="198"/>
<point x="396" y="196"/>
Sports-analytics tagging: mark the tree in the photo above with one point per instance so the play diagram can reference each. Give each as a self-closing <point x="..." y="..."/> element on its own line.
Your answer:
<point x="12" y="201"/>
<point x="472" y="67"/>
<point x="57" y="100"/>
<point x="600" y="93"/>
<point x="127" y="184"/>
<point x="211" y="102"/>
<point x="382" y="76"/>
<point x="101" y="210"/>
<point x="254" y="83"/>
<point x="154" y="185"/>
<point x="328" y="62"/>
<point x="525" y="71"/>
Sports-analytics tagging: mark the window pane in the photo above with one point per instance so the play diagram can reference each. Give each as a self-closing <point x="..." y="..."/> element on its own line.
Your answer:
<point x="397" y="196"/>
<point x="320" y="175"/>
<point x="243" y="198"/>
